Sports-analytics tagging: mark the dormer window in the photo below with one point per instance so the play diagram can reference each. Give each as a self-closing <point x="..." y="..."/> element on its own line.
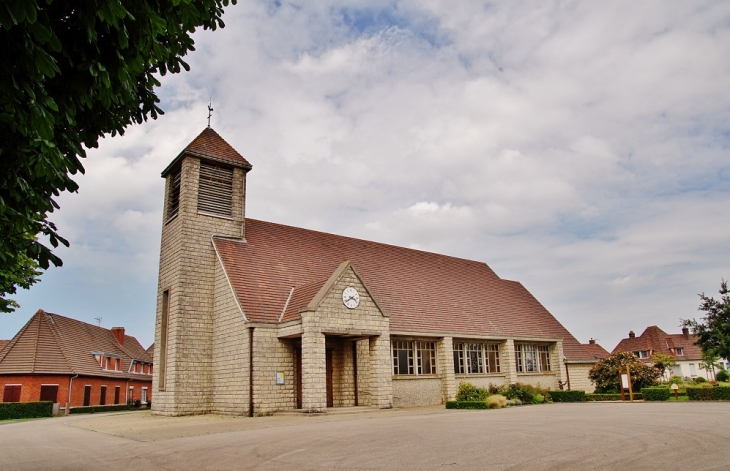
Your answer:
<point x="215" y="190"/>
<point x="679" y="351"/>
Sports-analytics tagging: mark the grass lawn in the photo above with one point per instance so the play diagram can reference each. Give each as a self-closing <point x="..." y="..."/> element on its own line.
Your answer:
<point x="679" y="399"/>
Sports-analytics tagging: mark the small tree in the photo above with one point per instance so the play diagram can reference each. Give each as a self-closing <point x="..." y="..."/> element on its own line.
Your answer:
<point x="662" y="362"/>
<point x="709" y="362"/>
<point x="605" y="374"/>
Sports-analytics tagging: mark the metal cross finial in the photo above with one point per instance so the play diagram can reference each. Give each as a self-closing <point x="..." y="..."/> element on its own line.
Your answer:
<point x="210" y="112"/>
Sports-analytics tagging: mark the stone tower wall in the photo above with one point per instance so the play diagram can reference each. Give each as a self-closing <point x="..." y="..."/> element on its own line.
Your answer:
<point x="188" y="270"/>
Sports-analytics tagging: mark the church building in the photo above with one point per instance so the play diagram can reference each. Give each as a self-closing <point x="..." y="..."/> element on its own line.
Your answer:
<point x="255" y="317"/>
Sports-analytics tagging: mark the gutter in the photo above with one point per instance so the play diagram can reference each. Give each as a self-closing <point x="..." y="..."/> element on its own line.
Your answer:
<point x="70" y="385"/>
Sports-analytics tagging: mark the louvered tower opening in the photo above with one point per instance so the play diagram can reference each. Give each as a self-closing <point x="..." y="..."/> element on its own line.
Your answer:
<point x="174" y="198"/>
<point x="215" y="190"/>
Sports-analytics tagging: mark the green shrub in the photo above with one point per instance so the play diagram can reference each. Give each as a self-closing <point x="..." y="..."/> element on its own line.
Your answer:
<point x="699" y="394"/>
<point x="466" y="404"/>
<point x="538" y="399"/>
<point x="676" y="380"/>
<point x="93" y="409"/>
<point x="496" y="401"/>
<point x="700" y="379"/>
<point x="469" y="392"/>
<point x="607" y="391"/>
<point x="611" y="397"/>
<point x="568" y="396"/>
<point x="721" y="393"/>
<point x="655" y="394"/>
<point x="723" y="376"/>
<point x="524" y="392"/>
<point x="25" y="410"/>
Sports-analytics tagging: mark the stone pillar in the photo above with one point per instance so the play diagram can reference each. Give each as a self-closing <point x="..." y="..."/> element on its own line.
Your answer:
<point x="314" y="372"/>
<point x="507" y="361"/>
<point x="381" y="378"/>
<point x="556" y="358"/>
<point x="446" y="368"/>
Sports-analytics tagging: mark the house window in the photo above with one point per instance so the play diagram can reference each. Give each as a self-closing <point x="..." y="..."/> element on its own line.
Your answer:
<point x="116" y="394"/>
<point x="476" y="358"/>
<point x="414" y="357"/>
<point x="532" y="358"/>
<point x="692" y="370"/>
<point x="144" y="395"/>
<point x="642" y="353"/>
<point x="173" y="202"/>
<point x="49" y="392"/>
<point x="215" y="190"/>
<point x="130" y="397"/>
<point x="11" y="393"/>
<point x="108" y="361"/>
<point x="102" y="396"/>
<point x="679" y="351"/>
<point x="87" y="395"/>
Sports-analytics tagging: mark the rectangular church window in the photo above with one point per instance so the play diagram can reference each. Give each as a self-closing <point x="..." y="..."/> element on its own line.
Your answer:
<point x="173" y="201"/>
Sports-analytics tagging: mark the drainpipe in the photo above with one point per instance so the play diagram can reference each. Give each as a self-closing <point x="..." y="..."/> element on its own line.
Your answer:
<point x="250" y="371"/>
<point x="70" y="384"/>
<point x="567" y="375"/>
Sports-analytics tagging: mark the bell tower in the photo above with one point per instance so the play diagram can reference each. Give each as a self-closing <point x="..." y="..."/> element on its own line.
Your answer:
<point x="205" y="194"/>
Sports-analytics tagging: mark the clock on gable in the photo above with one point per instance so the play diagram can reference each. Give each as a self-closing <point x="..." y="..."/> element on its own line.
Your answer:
<point x="350" y="297"/>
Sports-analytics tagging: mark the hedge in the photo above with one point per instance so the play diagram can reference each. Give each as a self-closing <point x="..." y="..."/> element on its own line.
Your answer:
<point x="93" y="409"/>
<point x="25" y="410"/>
<point x="612" y="397"/>
<point x="717" y="393"/>
<point x="466" y="405"/>
<point x="568" y="396"/>
<point x="655" y="394"/>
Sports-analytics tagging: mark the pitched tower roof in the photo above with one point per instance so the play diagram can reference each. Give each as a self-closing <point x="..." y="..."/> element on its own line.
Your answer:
<point x="209" y="145"/>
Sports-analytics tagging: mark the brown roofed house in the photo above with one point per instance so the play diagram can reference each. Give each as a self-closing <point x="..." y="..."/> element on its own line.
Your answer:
<point x="681" y="346"/>
<point x="255" y="317"/>
<point x="59" y="359"/>
<point x="598" y="352"/>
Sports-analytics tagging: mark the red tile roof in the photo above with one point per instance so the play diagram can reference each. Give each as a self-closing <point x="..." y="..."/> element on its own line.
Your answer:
<point x="656" y="340"/>
<point x="420" y="291"/>
<point x="50" y="343"/>
<point x="596" y="350"/>
<point x="209" y="145"/>
<point x="3" y="343"/>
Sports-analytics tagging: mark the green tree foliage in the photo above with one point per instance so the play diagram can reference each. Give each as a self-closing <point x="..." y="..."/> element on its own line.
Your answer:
<point x="662" y="362"/>
<point x="74" y="71"/>
<point x="605" y="374"/>
<point x="713" y="330"/>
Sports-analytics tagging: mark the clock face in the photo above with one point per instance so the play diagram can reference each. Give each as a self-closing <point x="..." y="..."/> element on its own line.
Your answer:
<point x="350" y="297"/>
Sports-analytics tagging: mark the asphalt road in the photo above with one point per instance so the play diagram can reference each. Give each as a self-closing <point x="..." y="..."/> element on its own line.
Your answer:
<point x="664" y="436"/>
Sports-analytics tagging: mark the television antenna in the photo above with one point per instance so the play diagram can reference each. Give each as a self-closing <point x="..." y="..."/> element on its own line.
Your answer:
<point x="98" y="321"/>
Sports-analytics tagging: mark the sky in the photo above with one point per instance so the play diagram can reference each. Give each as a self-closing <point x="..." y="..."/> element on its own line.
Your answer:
<point x="580" y="148"/>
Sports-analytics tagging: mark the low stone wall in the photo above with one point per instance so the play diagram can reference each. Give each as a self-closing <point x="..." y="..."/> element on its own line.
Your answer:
<point x="549" y="380"/>
<point x="416" y="392"/>
<point x="481" y="381"/>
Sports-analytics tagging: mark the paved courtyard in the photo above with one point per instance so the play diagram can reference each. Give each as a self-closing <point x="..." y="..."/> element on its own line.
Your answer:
<point x="662" y="436"/>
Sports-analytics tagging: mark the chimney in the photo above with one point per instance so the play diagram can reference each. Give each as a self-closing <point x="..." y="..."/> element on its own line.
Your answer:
<point x="592" y="341"/>
<point x="632" y="335"/>
<point x="685" y="332"/>
<point x="119" y="334"/>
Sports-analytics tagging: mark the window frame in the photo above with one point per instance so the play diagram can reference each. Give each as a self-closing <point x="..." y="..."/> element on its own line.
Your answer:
<point x="484" y="352"/>
<point x="419" y="355"/>
<point x="533" y="358"/>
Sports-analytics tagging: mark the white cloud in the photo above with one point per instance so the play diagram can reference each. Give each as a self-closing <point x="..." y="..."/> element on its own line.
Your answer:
<point x="579" y="148"/>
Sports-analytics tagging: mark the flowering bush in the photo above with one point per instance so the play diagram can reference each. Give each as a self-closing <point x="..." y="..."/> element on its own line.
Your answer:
<point x="605" y="374"/>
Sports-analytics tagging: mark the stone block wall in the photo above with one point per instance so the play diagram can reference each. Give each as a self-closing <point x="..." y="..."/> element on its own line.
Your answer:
<point x="543" y="380"/>
<point x="272" y="355"/>
<point x="414" y="392"/>
<point x="230" y="350"/>
<point x="578" y="373"/>
<point x="187" y="270"/>
<point x="482" y="381"/>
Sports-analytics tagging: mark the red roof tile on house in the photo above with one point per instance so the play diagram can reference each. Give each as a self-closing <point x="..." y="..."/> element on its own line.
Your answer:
<point x="656" y="340"/>
<point x="209" y="145"/>
<point x="50" y="343"/>
<point x="3" y="343"/>
<point x="420" y="291"/>
<point x="596" y="350"/>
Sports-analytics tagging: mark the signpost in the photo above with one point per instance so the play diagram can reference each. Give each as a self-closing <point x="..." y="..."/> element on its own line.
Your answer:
<point x="625" y="380"/>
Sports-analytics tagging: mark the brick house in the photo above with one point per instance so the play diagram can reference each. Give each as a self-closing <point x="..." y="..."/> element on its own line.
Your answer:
<point x="255" y="317"/>
<point x="681" y="346"/>
<point x="55" y="358"/>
